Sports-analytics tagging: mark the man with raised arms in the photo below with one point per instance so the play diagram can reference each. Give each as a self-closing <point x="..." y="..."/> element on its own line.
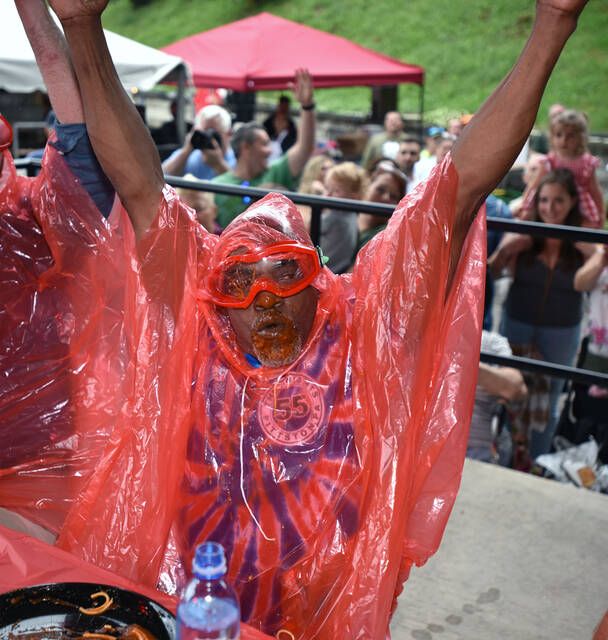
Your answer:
<point x="325" y="416"/>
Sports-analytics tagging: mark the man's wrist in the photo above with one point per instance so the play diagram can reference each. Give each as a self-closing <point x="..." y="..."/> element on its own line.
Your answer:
<point x="77" y="20"/>
<point x="561" y="23"/>
<point x="309" y="106"/>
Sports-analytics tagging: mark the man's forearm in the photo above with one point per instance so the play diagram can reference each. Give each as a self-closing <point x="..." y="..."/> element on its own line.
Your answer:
<point x="119" y="137"/>
<point x="504" y="382"/>
<point x="489" y="144"/>
<point x="53" y="60"/>
<point x="174" y="165"/>
<point x="301" y="151"/>
<point x="587" y="276"/>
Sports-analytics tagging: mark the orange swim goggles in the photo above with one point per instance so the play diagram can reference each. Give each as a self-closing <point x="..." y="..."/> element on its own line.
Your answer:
<point x="283" y="269"/>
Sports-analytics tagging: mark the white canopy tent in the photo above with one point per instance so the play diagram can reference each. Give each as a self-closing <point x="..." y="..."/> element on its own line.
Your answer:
<point x="138" y="65"/>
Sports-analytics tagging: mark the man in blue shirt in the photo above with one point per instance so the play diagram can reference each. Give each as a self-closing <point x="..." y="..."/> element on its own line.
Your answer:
<point x="204" y="164"/>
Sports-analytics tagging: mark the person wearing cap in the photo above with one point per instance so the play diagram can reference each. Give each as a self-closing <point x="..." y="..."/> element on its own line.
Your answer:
<point x="432" y="136"/>
<point x="441" y="145"/>
<point x="321" y="416"/>
<point x="386" y="143"/>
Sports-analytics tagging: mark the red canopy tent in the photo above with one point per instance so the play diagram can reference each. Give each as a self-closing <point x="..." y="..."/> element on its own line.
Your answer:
<point x="262" y="52"/>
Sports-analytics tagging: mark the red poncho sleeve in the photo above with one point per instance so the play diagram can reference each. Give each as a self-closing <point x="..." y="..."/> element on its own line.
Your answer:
<point x="104" y="477"/>
<point x="415" y="362"/>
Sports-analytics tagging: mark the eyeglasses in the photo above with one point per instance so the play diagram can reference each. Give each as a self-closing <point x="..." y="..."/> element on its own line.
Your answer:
<point x="283" y="269"/>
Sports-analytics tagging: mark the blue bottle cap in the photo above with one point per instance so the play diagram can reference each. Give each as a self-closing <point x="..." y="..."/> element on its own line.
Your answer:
<point x="209" y="561"/>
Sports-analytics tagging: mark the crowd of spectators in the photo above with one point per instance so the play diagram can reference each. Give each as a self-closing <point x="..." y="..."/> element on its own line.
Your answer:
<point x="536" y="305"/>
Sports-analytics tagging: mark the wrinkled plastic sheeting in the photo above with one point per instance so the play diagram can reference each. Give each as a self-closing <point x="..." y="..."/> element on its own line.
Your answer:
<point x="398" y="378"/>
<point x="26" y="561"/>
<point x="77" y="398"/>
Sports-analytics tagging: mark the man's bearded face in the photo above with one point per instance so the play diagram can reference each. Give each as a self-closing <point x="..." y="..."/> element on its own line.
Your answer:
<point x="275" y="329"/>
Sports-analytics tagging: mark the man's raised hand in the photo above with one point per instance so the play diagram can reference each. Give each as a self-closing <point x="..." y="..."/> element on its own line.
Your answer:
<point x="70" y="9"/>
<point x="302" y="89"/>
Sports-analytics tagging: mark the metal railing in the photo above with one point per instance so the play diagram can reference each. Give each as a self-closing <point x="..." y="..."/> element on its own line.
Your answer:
<point x="318" y="203"/>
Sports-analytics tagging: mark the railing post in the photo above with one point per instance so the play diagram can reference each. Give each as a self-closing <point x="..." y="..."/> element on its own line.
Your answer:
<point x="315" y="225"/>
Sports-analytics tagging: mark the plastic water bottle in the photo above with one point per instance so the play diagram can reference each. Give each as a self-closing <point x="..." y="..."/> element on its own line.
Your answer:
<point x="209" y="608"/>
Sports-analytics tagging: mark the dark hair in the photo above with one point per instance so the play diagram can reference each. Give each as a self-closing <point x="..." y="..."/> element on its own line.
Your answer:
<point x="565" y="178"/>
<point x="245" y="134"/>
<point x="569" y="254"/>
<point x="411" y="139"/>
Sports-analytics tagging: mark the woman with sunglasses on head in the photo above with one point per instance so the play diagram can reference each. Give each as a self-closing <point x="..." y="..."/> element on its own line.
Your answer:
<point x="387" y="186"/>
<point x="312" y="431"/>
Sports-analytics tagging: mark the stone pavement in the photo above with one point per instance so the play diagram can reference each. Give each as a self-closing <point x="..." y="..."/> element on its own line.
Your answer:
<point x="523" y="558"/>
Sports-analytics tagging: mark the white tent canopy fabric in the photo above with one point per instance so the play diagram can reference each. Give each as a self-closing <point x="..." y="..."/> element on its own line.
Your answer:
<point x="138" y="65"/>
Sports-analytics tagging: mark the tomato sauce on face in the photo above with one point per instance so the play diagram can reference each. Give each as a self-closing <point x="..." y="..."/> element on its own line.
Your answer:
<point x="279" y="347"/>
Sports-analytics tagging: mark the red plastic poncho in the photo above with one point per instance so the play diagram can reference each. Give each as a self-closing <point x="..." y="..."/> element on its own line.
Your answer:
<point x="59" y="316"/>
<point x="326" y="480"/>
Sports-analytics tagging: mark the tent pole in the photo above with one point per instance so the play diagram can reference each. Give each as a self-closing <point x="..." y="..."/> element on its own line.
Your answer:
<point x="180" y="116"/>
<point x="421" y="107"/>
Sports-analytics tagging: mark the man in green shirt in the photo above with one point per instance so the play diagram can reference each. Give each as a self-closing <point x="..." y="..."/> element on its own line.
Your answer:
<point x="252" y="149"/>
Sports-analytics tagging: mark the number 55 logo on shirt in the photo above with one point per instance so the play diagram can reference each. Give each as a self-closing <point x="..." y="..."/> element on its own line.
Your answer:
<point x="291" y="412"/>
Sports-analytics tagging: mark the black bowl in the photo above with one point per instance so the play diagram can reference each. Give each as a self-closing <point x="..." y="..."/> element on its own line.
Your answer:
<point x="52" y="608"/>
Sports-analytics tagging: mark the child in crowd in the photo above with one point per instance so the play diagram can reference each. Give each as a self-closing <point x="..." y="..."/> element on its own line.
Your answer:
<point x="533" y="167"/>
<point x="339" y="230"/>
<point x="314" y="173"/>
<point x="312" y="182"/>
<point x="568" y="141"/>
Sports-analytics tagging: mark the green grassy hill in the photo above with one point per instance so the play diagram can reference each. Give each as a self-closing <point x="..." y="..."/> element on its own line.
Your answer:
<point x="466" y="46"/>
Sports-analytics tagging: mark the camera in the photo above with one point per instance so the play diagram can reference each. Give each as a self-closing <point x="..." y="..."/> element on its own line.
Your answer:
<point x="203" y="139"/>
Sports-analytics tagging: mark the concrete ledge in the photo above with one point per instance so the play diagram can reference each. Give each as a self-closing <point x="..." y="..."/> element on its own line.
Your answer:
<point x="522" y="558"/>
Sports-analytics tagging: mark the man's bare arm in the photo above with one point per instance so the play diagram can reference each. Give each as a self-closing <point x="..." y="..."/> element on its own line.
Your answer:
<point x="505" y="382"/>
<point x="119" y="137"/>
<point x="490" y="143"/>
<point x="301" y="151"/>
<point x="174" y="165"/>
<point x="53" y="58"/>
<point x="586" y="278"/>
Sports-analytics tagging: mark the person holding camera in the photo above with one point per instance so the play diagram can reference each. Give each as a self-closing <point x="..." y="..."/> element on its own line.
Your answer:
<point x="206" y="152"/>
